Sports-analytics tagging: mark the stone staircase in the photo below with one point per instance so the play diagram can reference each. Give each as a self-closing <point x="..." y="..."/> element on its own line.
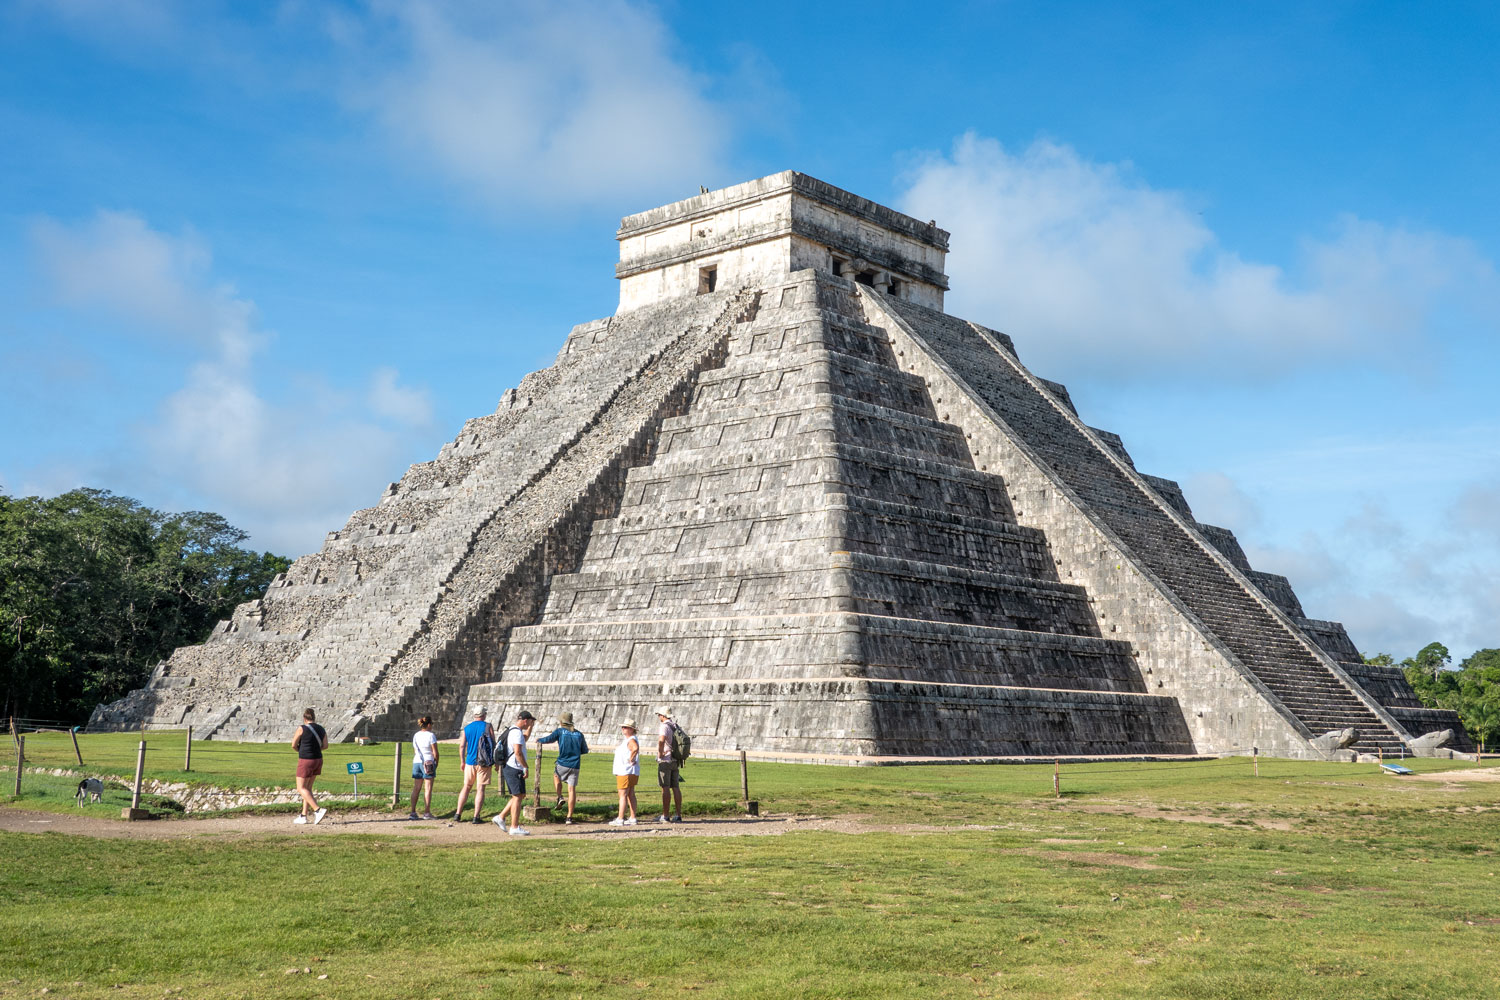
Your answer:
<point x="1240" y="619"/>
<point x="811" y="562"/>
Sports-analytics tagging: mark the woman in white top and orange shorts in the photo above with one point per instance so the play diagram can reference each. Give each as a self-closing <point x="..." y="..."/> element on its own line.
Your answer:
<point x="627" y="772"/>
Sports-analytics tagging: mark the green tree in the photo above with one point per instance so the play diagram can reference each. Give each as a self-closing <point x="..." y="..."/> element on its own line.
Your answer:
<point x="1432" y="658"/>
<point x="1479" y="691"/>
<point x="1381" y="660"/>
<point x="96" y="588"/>
<point x="1436" y="685"/>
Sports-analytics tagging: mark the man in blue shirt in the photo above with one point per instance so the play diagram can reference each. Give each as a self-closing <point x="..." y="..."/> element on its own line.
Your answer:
<point x="571" y="746"/>
<point x="476" y="745"/>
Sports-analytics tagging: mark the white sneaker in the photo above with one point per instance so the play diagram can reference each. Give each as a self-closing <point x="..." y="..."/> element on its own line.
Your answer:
<point x="300" y="819"/>
<point x="428" y="816"/>
<point x="517" y="831"/>
<point x="568" y="821"/>
<point x="499" y="821"/>
<point x="629" y="822"/>
<point x="318" y="816"/>
<point x="617" y="821"/>
<point x="663" y="818"/>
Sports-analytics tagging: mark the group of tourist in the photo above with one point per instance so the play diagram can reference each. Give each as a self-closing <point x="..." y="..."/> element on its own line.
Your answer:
<point x="481" y="749"/>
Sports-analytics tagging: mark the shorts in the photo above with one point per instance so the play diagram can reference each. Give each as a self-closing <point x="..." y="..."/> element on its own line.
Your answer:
<point x="419" y="771"/>
<point x="477" y="774"/>
<point x="515" y="780"/>
<point x="666" y="774"/>
<point x="567" y="775"/>
<point x="310" y="768"/>
<point x="626" y="781"/>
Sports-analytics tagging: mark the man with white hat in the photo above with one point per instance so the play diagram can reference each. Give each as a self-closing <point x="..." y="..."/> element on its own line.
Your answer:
<point x="476" y="748"/>
<point x="668" y="774"/>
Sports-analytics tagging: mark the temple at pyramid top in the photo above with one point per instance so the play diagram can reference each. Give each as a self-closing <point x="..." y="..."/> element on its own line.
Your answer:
<point x="782" y="491"/>
<point x="775" y="225"/>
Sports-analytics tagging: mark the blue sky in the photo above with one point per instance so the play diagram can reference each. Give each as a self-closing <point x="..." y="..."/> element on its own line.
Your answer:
<point x="259" y="258"/>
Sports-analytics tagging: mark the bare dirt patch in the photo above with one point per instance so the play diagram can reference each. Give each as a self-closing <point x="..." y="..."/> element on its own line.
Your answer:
<point x="1144" y="811"/>
<point x="1101" y="858"/>
<point x="1457" y="777"/>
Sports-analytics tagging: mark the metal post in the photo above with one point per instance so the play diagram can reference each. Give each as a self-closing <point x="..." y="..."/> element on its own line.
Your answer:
<point x="1255" y="752"/>
<point x="396" y="780"/>
<point x="187" y="753"/>
<point x="20" y="760"/>
<point x="536" y="785"/>
<point x="76" y="752"/>
<point x="1057" y="777"/>
<point x="140" y="767"/>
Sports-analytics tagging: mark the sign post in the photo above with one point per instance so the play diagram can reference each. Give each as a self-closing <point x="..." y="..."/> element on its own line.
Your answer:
<point x="355" y="768"/>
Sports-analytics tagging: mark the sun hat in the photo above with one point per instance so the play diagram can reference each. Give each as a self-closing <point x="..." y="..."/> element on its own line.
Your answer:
<point x="478" y="711"/>
<point x="664" y="710"/>
<point x="565" y="719"/>
<point x="628" y="724"/>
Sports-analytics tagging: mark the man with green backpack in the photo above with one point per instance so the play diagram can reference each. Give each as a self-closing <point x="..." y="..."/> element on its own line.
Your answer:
<point x="673" y="746"/>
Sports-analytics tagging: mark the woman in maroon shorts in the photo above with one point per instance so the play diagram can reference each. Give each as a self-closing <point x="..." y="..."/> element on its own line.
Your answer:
<point x="310" y="742"/>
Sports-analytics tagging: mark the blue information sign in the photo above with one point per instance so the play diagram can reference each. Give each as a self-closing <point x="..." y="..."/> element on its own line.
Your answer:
<point x="355" y="767"/>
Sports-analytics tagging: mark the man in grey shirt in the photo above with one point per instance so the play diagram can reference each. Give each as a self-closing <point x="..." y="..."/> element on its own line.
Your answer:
<point x="667" y="770"/>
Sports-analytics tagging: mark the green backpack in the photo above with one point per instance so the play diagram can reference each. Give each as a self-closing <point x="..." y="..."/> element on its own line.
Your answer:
<point x="682" y="743"/>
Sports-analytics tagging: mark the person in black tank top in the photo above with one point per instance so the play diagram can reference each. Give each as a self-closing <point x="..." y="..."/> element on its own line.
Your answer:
<point x="309" y="742"/>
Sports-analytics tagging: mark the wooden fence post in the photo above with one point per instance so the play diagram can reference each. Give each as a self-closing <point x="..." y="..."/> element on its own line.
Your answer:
<point x="14" y="736"/>
<point x="1057" y="777"/>
<point x="1255" y="752"/>
<point x="396" y="780"/>
<point x="751" y="807"/>
<point x="536" y="812"/>
<point x="76" y="752"/>
<point x="20" y="761"/>
<point x="187" y="753"/>
<point x="135" y="811"/>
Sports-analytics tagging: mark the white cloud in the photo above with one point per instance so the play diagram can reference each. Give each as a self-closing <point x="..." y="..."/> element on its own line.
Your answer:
<point x="1217" y="499"/>
<point x="1396" y="580"/>
<point x="397" y="402"/>
<point x="1097" y="272"/>
<point x="287" y="473"/>
<point x="555" y="103"/>
<point x="117" y="264"/>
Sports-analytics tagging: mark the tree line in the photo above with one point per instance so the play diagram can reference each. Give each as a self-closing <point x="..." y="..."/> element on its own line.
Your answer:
<point x="96" y="589"/>
<point x="1472" y="689"/>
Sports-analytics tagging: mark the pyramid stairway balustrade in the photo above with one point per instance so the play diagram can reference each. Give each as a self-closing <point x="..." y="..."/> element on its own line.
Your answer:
<point x="1296" y="672"/>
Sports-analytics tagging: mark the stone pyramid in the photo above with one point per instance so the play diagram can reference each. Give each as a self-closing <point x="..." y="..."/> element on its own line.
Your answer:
<point x="784" y="492"/>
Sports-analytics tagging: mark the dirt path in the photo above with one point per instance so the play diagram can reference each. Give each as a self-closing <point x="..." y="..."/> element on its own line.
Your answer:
<point x="437" y="831"/>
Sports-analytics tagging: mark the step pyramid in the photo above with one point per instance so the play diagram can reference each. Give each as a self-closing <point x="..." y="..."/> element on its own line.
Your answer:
<point x="785" y="493"/>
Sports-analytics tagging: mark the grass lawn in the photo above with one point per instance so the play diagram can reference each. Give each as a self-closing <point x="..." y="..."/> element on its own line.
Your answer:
<point x="929" y="794"/>
<point x="1162" y="881"/>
